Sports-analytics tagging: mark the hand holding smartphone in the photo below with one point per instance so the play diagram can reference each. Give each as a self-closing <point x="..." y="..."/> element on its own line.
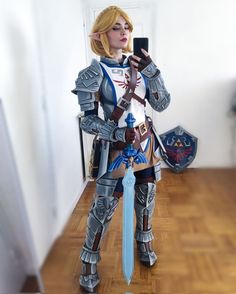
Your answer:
<point x="139" y="43"/>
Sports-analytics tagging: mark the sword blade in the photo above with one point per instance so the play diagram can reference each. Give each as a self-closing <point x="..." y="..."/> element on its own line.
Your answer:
<point x="128" y="225"/>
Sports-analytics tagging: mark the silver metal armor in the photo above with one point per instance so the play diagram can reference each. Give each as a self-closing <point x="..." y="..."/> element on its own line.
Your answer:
<point x="87" y="84"/>
<point x="158" y="98"/>
<point x="93" y="124"/>
<point x="100" y="214"/>
<point x="144" y="208"/>
<point x="99" y="217"/>
<point x="92" y="83"/>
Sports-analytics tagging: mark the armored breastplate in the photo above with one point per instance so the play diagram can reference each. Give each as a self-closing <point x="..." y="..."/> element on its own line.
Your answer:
<point x="115" y="84"/>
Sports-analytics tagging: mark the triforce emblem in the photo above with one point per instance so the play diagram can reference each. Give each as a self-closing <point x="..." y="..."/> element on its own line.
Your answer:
<point x="181" y="148"/>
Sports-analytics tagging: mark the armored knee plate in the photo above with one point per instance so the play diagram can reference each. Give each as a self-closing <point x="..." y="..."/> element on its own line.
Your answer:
<point x="100" y="214"/>
<point x="144" y="207"/>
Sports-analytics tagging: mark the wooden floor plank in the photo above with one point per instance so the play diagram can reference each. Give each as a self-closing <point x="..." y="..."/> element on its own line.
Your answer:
<point x="195" y="238"/>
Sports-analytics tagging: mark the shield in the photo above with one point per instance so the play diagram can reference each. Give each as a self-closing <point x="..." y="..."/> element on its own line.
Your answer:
<point x="181" y="148"/>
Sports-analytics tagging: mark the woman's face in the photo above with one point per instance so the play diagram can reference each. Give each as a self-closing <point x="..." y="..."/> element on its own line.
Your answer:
<point x="119" y="34"/>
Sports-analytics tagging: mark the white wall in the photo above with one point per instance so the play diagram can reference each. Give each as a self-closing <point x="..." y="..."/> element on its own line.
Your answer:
<point x="60" y="31"/>
<point x="21" y="92"/>
<point x="40" y="54"/>
<point x="17" y="252"/>
<point x="195" y="50"/>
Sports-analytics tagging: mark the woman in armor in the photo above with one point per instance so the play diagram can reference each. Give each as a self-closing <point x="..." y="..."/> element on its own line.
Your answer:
<point x="121" y="85"/>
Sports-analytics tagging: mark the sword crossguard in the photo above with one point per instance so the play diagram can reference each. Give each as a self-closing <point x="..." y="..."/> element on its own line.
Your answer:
<point x="129" y="151"/>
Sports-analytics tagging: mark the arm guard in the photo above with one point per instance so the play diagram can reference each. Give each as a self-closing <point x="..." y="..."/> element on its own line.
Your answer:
<point x="87" y="84"/>
<point x="106" y="130"/>
<point x="158" y="97"/>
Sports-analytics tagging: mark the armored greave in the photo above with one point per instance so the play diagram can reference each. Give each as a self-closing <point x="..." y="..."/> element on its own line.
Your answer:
<point x="144" y="208"/>
<point x="99" y="217"/>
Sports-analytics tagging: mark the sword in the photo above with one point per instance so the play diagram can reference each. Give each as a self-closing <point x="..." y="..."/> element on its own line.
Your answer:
<point x="128" y="156"/>
<point x="128" y="225"/>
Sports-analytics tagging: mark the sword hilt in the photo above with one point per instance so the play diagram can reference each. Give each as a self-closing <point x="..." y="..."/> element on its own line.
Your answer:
<point x="129" y="151"/>
<point x="129" y="154"/>
<point x="130" y="120"/>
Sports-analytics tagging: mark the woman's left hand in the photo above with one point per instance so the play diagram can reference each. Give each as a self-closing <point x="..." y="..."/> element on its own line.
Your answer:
<point x="141" y="63"/>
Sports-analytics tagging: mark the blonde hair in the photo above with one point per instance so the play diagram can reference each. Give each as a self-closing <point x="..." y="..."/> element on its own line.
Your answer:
<point x="103" y="23"/>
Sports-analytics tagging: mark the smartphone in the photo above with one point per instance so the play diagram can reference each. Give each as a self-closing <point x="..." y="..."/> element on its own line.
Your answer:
<point x="139" y="43"/>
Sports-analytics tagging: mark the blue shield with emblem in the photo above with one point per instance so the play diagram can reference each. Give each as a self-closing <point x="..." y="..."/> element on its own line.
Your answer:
<point x="181" y="148"/>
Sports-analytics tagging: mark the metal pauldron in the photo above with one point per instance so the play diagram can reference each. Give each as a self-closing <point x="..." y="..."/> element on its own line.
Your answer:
<point x="89" y="79"/>
<point x="87" y="84"/>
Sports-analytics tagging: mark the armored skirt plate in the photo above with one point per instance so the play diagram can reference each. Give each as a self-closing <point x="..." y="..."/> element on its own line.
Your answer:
<point x="150" y="154"/>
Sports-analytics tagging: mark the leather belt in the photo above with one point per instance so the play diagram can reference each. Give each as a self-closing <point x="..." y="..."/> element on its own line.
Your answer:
<point x="143" y="131"/>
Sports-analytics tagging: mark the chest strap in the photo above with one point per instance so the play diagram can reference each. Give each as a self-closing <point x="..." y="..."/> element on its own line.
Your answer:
<point x="125" y="100"/>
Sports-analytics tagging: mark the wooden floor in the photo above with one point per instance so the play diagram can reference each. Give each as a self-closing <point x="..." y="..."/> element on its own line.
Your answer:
<point x="195" y="237"/>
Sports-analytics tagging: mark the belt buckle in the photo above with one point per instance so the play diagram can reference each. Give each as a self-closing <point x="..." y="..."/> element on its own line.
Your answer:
<point x="142" y="128"/>
<point x="123" y="103"/>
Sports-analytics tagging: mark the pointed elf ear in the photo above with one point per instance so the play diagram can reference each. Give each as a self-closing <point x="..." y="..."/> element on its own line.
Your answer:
<point x="95" y="36"/>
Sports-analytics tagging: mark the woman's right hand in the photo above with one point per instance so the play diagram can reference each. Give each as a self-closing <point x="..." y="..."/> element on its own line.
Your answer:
<point x="129" y="135"/>
<point x="141" y="63"/>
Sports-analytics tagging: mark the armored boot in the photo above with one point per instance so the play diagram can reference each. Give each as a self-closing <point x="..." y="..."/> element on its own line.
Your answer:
<point x="89" y="277"/>
<point x="144" y="208"/>
<point x="99" y="217"/>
